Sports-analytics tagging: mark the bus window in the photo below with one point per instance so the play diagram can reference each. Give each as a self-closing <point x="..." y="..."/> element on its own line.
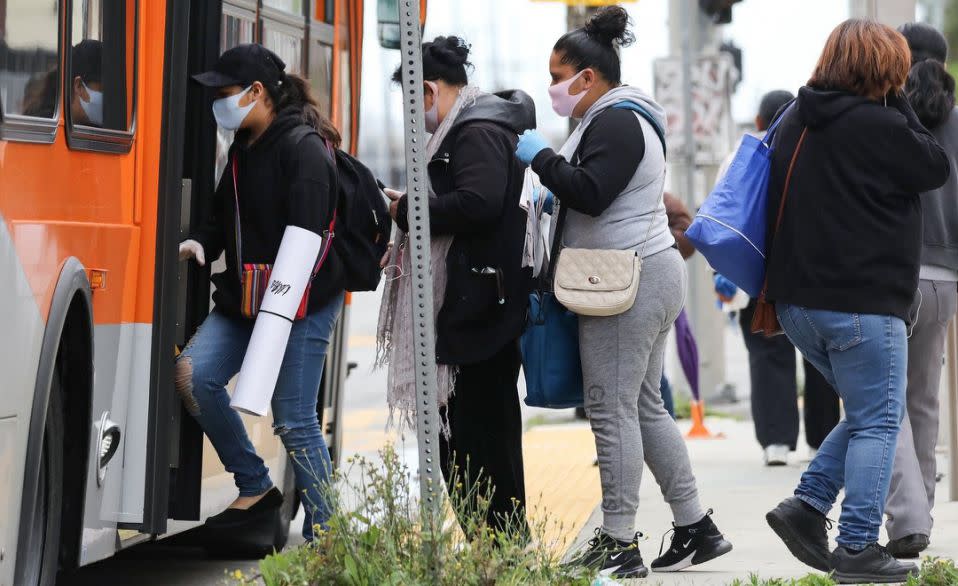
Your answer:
<point x="287" y="42"/>
<point x="321" y="69"/>
<point x="100" y="70"/>
<point x="29" y="58"/>
<point x="290" y="6"/>
<point x="238" y="27"/>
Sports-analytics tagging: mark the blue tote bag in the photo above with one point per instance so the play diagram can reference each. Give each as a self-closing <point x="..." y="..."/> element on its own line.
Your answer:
<point x="730" y="227"/>
<point x="550" y="344"/>
<point x="550" y="354"/>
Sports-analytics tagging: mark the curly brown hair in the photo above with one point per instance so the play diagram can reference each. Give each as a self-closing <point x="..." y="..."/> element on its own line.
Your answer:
<point x="863" y="57"/>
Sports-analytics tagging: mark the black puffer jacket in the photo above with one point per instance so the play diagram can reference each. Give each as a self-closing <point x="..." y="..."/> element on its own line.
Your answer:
<point x="479" y="181"/>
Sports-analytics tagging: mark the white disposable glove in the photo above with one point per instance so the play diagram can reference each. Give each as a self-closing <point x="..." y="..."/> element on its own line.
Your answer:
<point x="192" y="249"/>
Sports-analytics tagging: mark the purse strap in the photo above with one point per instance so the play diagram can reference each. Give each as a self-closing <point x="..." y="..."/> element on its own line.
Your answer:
<point x="238" y="231"/>
<point x="788" y="180"/>
<point x="781" y="205"/>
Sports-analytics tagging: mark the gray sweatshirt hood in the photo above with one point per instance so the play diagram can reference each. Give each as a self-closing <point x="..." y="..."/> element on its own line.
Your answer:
<point x="626" y="93"/>
<point x="513" y="109"/>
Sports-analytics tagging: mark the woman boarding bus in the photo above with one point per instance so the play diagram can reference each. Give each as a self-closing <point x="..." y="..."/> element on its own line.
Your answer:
<point x="278" y="176"/>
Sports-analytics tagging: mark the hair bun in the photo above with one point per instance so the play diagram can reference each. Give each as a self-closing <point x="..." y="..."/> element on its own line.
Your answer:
<point x="610" y="26"/>
<point x="451" y="51"/>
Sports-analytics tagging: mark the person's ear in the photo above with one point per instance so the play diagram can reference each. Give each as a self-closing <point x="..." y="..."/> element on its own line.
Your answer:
<point x="586" y="81"/>
<point x="256" y="92"/>
<point x="79" y="90"/>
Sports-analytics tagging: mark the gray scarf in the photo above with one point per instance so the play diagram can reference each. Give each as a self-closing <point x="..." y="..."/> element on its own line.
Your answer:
<point x="394" y="340"/>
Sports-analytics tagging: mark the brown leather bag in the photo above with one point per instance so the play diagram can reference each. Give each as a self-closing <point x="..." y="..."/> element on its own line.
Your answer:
<point x="765" y="320"/>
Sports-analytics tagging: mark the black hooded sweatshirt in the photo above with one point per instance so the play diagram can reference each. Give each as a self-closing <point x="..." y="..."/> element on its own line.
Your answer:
<point x="851" y="235"/>
<point x="281" y="183"/>
<point x="478" y="180"/>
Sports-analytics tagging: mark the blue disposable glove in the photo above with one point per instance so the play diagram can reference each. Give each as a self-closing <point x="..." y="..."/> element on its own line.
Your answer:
<point x="725" y="288"/>
<point x="530" y="144"/>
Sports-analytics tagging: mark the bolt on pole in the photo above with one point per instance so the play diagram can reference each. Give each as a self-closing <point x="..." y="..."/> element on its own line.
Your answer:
<point x="417" y="190"/>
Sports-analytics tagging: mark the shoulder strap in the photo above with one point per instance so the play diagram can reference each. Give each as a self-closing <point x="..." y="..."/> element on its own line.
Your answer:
<point x="641" y="111"/>
<point x="788" y="180"/>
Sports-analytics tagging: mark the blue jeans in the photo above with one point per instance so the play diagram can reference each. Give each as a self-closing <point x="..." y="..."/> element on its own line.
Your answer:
<point x="667" y="397"/>
<point x="864" y="357"/>
<point x="214" y="356"/>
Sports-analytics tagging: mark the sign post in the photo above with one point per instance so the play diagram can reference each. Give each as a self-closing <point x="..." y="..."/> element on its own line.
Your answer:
<point x="417" y="190"/>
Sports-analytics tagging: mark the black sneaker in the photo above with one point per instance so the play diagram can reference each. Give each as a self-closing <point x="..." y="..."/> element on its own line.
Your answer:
<point x="613" y="557"/>
<point x="872" y="565"/>
<point x="909" y="546"/>
<point x="691" y="545"/>
<point x="804" y="531"/>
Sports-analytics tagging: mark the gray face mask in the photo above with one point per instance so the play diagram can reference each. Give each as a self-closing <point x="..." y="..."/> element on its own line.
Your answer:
<point x="228" y="113"/>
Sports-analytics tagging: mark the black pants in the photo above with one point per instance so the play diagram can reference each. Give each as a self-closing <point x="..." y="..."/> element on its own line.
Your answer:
<point x="775" y="391"/>
<point x="485" y="442"/>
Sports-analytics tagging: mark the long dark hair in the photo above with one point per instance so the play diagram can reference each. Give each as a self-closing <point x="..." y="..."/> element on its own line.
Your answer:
<point x="596" y="44"/>
<point x="443" y="58"/>
<point x="294" y="92"/>
<point x="931" y="92"/>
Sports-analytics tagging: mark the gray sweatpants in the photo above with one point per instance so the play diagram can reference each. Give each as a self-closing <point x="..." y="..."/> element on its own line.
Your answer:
<point x="912" y="493"/>
<point x="622" y="360"/>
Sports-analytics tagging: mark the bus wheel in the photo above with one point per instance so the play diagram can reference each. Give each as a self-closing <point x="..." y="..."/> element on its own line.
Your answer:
<point x="42" y="547"/>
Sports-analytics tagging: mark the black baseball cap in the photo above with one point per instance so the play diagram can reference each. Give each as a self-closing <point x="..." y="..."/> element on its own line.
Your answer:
<point x="242" y="65"/>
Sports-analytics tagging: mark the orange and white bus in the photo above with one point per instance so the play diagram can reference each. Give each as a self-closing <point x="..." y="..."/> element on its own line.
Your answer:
<point x="107" y="154"/>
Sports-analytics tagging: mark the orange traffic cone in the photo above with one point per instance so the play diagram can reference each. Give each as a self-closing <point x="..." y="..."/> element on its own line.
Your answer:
<point x="699" y="431"/>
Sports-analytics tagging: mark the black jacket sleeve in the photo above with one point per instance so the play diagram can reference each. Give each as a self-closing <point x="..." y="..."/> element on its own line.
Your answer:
<point x="480" y="157"/>
<point x="910" y="154"/>
<point x="609" y="154"/>
<point x="210" y="232"/>
<point x="312" y="185"/>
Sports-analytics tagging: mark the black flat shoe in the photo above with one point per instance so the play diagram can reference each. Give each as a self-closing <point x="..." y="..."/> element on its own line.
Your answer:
<point x="909" y="546"/>
<point x="271" y="501"/>
<point x="804" y="531"/>
<point x="872" y="565"/>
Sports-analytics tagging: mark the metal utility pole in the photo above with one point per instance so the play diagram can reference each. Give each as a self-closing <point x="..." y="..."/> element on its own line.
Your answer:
<point x="576" y="17"/>
<point x="890" y="12"/>
<point x="692" y="36"/>
<point x="424" y="327"/>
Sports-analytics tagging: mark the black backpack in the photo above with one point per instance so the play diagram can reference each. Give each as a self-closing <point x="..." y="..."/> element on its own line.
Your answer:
<point x="363" y="225"/>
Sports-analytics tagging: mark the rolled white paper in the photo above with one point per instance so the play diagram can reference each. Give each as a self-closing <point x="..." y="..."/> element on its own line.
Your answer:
<point x="267" y="345"/>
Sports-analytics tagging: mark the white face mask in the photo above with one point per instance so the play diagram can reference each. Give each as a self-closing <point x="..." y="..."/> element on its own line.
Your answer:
<point x="432" y="114"/>
<point x="228" y="113"/>
<point x="93" y="108"/>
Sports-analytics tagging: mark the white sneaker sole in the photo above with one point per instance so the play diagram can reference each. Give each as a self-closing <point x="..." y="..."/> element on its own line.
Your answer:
<point x="687" y="562"/>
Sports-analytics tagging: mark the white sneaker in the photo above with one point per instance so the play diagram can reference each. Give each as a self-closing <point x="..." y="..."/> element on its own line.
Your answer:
<point x="776" y="455"/>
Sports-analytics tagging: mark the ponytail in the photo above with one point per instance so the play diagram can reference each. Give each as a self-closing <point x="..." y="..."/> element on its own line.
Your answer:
<point x="294" y="92"/>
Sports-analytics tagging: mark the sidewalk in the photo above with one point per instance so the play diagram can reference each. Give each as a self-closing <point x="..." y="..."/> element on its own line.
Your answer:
<point x="733" y="481"/>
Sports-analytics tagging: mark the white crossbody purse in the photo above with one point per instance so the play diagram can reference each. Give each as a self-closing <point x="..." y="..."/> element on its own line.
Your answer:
<point x="599" y="283"/>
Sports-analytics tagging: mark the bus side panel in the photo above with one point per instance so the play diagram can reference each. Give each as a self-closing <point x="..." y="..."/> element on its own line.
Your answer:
<point x="19" y="313"/>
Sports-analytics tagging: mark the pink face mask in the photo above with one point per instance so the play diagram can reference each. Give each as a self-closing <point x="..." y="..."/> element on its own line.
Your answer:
<point x="563" y="103"/>
<point x="432" y="114"/>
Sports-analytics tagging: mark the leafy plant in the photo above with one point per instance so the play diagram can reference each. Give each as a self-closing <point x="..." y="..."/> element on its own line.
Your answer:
<point x="384" y="538"/>
<point x="935" y="572"/>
